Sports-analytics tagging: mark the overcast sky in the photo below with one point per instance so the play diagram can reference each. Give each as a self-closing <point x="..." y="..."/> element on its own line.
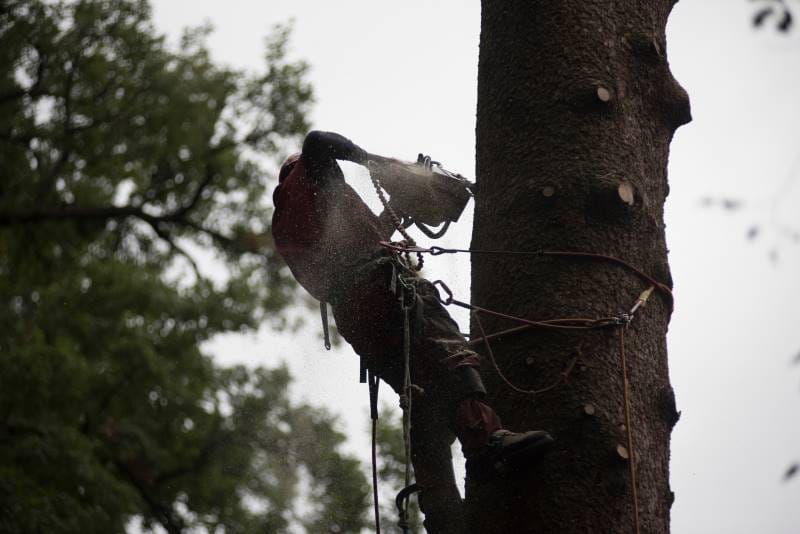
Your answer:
<point x="402" y="79"/>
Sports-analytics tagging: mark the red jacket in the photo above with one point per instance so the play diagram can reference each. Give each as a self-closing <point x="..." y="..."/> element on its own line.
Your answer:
<point x="320" y="225"/>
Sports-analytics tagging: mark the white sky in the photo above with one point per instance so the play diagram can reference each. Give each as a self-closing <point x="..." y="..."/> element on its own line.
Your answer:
<point x="402" y="79"/>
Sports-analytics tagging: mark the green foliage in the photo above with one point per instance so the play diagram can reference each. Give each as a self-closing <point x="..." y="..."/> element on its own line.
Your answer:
<point x="121" y="160"/>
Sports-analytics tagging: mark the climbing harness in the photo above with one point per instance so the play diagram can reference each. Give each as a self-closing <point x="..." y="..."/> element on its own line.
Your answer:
<point x="619" y="322"/>
<point x="407" y="300"/>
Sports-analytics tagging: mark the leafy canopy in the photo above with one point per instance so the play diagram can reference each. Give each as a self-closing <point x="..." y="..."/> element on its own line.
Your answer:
<point x="121" y="161"/>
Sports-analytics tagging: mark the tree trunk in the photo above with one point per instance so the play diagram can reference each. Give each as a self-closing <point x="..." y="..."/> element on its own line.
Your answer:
<point x="576" y="110"/>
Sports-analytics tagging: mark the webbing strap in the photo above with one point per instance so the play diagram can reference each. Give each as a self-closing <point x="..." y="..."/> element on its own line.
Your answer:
<point x="373" y="381"/>
<point x="323" y="313"/>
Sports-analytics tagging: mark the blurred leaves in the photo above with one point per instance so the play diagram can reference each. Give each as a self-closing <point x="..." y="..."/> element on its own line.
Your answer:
<point x="772" y="230"/>
<point x="728" y="204"/>
<point x="776" y="11"/>
<point x="123" y="161"/>
<point x="791" y="471"/>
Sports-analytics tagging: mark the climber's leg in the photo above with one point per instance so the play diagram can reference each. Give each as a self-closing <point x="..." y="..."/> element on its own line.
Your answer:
<point x="439" y="498"/>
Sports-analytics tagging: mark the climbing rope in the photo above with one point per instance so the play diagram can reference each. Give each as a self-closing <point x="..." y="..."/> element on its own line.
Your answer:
<point x="407" y="298"/>
<point x="629" y="431"/>
<point x="438" y="251"/>
<point x="573" y="323"/>
<point x="619" y="322"/>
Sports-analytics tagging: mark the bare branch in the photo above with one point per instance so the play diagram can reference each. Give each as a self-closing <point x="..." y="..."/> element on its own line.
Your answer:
<point x="164" y="513"/>
<point x="211" y="444"/>
<point x="209" y="177"/>
<point x="160" y="232"/>
<point x="68" y="212"/>
<point x="72" y="212"/>
<point x="221" y="239"/>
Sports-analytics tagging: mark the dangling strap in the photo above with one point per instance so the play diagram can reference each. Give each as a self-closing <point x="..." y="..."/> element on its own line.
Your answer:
<point x="323" y="313"/>
<point x="373" y="381"/>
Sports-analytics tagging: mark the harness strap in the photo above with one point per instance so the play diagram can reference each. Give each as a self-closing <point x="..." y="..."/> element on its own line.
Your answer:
<point x="323" y="313"/>
<point x="373" y="381"/>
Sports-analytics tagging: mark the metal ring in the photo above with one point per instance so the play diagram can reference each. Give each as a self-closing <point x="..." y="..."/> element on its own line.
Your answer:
<point x="446" y="289"/>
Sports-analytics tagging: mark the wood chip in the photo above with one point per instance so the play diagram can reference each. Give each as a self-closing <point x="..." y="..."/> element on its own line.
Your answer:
<point x="625" y="191"/>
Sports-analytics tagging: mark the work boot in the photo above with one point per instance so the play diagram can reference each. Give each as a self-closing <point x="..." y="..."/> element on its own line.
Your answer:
<point x="507" y="452"/>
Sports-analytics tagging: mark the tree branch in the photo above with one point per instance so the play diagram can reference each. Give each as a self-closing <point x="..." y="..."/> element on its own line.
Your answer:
<point x="202" y="457"/>
<point x="221" y="239"/>
<point x="209" y="177"/>
<point x="73" y="212"/>
<point x="164" y="513"/>
<point x="119" y="213"/>
<point x="63" y="157"/>
<point x="160" y="232"/>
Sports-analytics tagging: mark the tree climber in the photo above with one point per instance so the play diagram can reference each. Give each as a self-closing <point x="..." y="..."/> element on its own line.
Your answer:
<point x="330" y="240"/>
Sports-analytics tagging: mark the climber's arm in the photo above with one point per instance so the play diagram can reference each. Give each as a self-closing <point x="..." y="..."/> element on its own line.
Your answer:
<point x="321" y="148"/>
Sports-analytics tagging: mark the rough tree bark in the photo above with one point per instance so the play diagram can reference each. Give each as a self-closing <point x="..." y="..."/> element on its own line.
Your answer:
<point x="576" y="110"/>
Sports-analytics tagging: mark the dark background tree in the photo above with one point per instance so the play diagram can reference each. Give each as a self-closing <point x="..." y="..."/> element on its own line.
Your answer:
<point x="743" y="98"/>
<point x="576" y="109"/>
<point x="120" y="159"/>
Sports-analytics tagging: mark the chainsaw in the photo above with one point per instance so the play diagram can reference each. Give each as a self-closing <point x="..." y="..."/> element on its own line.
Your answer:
<point x="423" y="193"/>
